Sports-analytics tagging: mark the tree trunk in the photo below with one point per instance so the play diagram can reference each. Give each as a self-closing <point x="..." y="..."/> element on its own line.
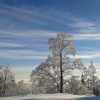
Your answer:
<point x="93" y="80"/>
<point x="61" y="76"/>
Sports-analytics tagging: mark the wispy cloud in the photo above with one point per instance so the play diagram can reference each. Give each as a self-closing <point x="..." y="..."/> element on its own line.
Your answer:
<point x="21" y="14"/>
<point x="83" y="26"/>
<point x="37" y="40"/>
<point x="29" y="54"/>
<point x="87" y="55"/>
<point x="22" y="54"/>
<point x="87" y="36"/>
<point x="5" y="44"/>
<point x="33" y="16"/>
<point x="29" y="39"/>
<point x="42" y="17"/>
<point x="27" y="33"/>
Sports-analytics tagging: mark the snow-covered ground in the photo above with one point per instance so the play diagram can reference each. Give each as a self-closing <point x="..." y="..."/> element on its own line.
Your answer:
<point x="52" y="97"/>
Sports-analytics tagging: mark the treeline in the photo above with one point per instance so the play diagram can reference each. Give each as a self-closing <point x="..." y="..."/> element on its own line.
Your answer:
<point x="42" y="82"/>
<point x="55" y="75"/>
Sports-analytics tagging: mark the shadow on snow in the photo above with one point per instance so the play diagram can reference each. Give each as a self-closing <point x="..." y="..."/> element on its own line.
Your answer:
<point x="82" y="98"/>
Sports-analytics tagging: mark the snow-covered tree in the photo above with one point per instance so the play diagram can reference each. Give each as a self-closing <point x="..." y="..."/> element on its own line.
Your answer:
<point x="75" y="86"/>
<point x="59" y="65"/>
<point x="62" y="48"/>
<point x="17" y="88"/>
<point x="22" y="88"/>
<point x="91" y="72"/>
<point x="6" y="77"/>
<point x="44" y="79"/>
<point x="89" y="76"/>
<point x="11" y="89"/>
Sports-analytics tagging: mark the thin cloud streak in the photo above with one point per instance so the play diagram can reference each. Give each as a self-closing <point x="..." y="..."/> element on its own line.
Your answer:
<point x="87" y="56"/>
<point x="22" y="54"/>
<point x="28" y="54"/>
<point x="80" y="25"/>
<point x="34" y="34"/>
<point x="27" y="33"/>
<point x="43" y="17"/>
<point x="4" y="44"/>
<point x="23" y="68"/>
<point x="83" y="25"/>
<point x="87" y="36"/>
<point x="28" y="39"/>
<point x="34" y="16"/>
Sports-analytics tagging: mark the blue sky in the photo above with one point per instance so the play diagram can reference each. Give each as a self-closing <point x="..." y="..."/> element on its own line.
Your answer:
<point x="26" y="26"/>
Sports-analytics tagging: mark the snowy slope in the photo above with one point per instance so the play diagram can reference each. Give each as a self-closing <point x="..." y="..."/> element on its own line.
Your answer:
<point x="52" y="97"/>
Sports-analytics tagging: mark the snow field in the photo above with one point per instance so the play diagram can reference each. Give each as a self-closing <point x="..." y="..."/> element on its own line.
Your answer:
<point x="52" y="97"/>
